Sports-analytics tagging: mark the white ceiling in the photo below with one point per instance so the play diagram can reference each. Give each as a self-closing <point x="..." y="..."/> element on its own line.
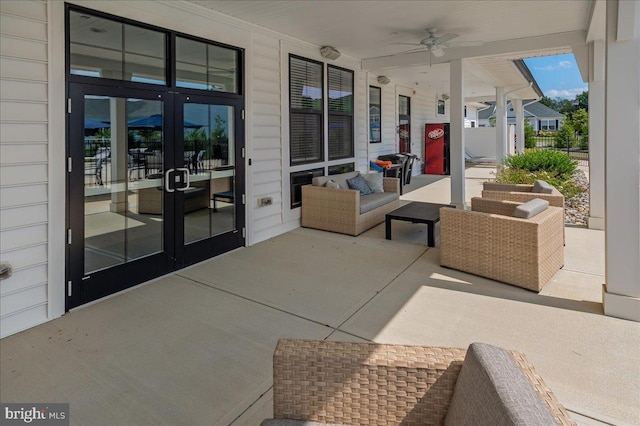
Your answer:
<point x="366" y="29"/>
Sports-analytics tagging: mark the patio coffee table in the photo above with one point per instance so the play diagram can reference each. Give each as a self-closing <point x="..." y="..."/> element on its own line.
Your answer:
<point x="416" y="212"/>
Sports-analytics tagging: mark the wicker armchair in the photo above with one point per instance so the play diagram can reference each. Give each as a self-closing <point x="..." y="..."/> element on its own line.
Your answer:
<point x="376" y="384"/>
<point x="520" y="193"/>
<point x="489" y="242"/>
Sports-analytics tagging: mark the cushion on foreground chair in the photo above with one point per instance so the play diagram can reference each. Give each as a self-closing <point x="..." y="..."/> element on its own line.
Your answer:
<point x="522" y="193"/>
<point x="342" y="383"/>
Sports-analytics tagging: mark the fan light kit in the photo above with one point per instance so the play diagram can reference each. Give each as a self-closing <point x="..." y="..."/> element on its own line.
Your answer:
<point x="330" y="52"/>
<point x="383" y="79"/>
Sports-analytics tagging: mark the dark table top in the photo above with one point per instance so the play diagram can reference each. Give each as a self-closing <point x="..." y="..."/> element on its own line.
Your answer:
<point x="419" y="211"/>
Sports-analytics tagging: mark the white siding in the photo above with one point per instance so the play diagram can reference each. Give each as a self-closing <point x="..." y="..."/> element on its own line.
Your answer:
<point x="266" y="136"/>
<point x="23" y="163"/>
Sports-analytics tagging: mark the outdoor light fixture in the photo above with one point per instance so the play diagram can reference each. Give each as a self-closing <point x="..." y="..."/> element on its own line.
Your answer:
<point x="445" y="97"/>
<point x="383" y="79"/>
<point x="330" y="52"/>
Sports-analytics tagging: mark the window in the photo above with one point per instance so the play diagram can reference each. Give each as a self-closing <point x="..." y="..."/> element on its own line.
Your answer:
<point x="465" y="111"/>
<point x="306" y="102"/>
<point x="375" y="114"/>
<point x="548" y="125"/>
<point x="297" y="180"/>
<point x="440" y="106"/>
<point x="340" y="95"/>
<point x="341" y="168"/>
<point x="106" y="48"/>
<point x="206" y="66"/>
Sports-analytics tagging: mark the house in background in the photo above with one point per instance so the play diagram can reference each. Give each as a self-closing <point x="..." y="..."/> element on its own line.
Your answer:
<point x="538" y="115"/>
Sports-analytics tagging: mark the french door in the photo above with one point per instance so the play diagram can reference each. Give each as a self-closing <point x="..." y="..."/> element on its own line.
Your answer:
<point x="155" y="183"/>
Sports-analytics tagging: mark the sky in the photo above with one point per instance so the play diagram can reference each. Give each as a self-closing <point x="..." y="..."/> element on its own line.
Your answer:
<point x="558" y="76"/>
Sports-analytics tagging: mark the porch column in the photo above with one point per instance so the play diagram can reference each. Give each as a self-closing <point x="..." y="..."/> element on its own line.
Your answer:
<point x="621" y="291"/>
<point x="596" y="136"/>
<point x="456" y="130"/>
<point x="119" y="154"/>
<point x="501" y="125"/>
<point x="519" y="110"/>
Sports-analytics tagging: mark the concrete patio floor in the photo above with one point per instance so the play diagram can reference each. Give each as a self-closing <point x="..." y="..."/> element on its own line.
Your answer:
<point x="195" y="347"/>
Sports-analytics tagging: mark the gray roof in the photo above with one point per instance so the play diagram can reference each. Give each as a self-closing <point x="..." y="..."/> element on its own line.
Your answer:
<point x="535" y="109"/>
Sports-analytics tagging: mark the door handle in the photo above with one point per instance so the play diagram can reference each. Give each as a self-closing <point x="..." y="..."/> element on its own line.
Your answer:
<point x="188" y="181"/>
<point x="167" y="180"/>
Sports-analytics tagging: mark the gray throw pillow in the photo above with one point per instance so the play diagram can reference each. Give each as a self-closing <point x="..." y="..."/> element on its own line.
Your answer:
<point x="374" y="180"/>
<point x="332" y="184"/>
<point x="542" y="187"/>
<point x="530" y="208"/>
<point x="360" y="184"/>
<point x="492" y="390"/>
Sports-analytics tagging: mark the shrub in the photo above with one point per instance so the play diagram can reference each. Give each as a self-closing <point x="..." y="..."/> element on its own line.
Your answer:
<point x="565" y="135"/>
<point x="555" y="162"/>
<point x="567" y="186"/>
<point x="529" y="136"/>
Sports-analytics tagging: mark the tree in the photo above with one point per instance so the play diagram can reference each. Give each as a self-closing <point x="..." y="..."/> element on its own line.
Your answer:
<point x="582" y="101"/>
<point x="529" y="136"/>
<point x="547" y="101"/>
<point x="565" y="135"/>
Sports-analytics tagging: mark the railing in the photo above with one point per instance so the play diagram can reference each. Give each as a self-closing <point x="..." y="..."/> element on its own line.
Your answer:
<point x="574" y="146"/>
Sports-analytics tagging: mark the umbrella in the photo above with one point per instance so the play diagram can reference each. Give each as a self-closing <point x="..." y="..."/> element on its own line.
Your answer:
<point x="91" y="124"/>
<point x="154" y="122"/>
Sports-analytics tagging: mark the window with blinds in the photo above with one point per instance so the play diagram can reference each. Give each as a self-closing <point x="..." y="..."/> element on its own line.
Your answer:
<point x="306" y="100"/>
<point x="340" y="82"/>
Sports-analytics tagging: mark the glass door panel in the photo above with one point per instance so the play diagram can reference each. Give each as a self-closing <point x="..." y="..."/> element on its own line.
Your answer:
<point x="123" y="185"/>
<point x="209" y="144"/>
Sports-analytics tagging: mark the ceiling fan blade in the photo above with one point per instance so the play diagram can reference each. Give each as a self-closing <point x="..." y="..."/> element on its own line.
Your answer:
<point x="465" y="43"/>
<point x="408" y="44"/>
<point x="445" y="38"/>
<point x="437" y="52"/>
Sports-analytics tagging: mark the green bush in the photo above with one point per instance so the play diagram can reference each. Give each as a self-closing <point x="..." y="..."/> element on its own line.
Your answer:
<point x="567" y="187"/>
<point x="529" y="136"/>
<point x="565" y="136"/>
<point x="549" y="161"/>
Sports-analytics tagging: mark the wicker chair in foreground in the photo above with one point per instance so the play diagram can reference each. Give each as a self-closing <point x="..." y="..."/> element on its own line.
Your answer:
<point x="490" y="242"/>
<point x="520" y="193"/>
<point x="322" y="382"/>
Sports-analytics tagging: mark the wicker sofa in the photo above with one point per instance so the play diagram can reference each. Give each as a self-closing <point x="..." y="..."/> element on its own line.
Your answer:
<point x="346" y="211"/>
<point x="323" y="382"/>
<point x="520" y="193"/>
<point x="490" y="242"/>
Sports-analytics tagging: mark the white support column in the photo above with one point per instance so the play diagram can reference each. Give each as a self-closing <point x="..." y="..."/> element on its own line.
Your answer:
<point x="501" y="125"/>
<point x="517" y="107"/>
<point x="621" y="292"/>
<point x="596" y="136"/>
<point x="456" y="132"/>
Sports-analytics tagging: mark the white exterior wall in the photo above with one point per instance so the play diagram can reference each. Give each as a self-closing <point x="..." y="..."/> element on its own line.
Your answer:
<point x="480" y="142"/>
<point x="24" y="138"/>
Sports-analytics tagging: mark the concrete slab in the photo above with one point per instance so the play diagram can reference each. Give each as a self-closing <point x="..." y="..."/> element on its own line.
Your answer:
<point x="258" y="411"/>
<point x="174" y="352"/>
<point x="584" y="250"/>
<point x="584" y="356"/>
<point x="321" y="276"/>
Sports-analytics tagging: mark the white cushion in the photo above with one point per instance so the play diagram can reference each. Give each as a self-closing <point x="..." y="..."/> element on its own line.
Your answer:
<point x="531" y="208"/>
<point x="332" y="184"/>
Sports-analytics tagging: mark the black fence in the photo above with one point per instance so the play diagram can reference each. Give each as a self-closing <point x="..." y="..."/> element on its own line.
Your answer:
<point x="575" y="146"/>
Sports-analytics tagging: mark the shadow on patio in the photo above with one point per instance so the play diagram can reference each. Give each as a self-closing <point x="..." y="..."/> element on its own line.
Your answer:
<point x="195" y="347"/>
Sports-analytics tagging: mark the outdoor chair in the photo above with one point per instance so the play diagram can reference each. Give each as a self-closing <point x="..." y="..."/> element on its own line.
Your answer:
<point x="521" y="193"/>
<point x="343" y="383"/>
<point x="489" y="241"/>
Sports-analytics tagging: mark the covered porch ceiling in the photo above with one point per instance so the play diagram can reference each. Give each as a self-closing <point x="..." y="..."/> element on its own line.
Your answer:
<point x="368" y="31"/>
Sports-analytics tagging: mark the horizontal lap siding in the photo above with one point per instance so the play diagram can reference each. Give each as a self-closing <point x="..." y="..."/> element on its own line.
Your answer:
<point x="266" y="143"/>
<point x="23" y="163"/>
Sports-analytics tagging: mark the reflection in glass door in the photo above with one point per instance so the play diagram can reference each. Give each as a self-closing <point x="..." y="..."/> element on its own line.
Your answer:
<point x="209" y="155"/>
<point x="123" y="182"/>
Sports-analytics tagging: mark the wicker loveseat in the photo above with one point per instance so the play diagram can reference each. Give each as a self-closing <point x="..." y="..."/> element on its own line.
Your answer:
<point x="490" y="242"/>
<point x="520" y="193"/>
<point x="323" y="382"/>
<point x="345" y="210"/>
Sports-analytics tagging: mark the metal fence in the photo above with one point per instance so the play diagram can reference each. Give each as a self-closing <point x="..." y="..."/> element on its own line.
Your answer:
<point x="573" y="146"/>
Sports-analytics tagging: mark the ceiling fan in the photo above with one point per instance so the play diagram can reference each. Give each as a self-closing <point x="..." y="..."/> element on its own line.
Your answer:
<point x="436" y="45"/>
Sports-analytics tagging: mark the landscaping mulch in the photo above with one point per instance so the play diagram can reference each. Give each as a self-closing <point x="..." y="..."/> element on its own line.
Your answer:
<point x="577" y="208"/>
